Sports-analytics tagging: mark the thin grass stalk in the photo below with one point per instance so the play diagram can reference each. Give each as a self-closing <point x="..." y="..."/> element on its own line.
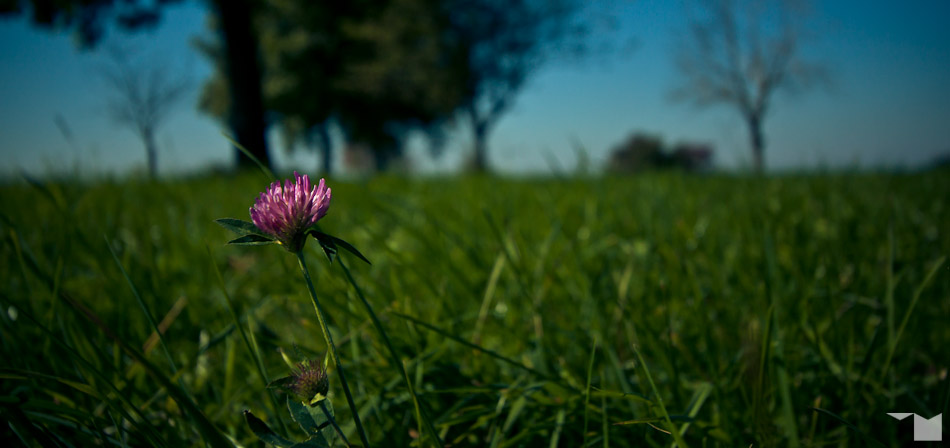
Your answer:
<point x="558" y="425"/>
<point x="590" y="372"/>
<point x="264" y="169"/>
<point x="910" y="309"/>
<point x="394" y="357"/>
<point x="147" y="431"/>
<point x="415" y="402"/>
<point x="674" y="431"/>
<point x="151" y="319"/>
<point x="211" y="434"/>
<point x="332" y="347"/>
<point x="252" y="348"/>
<point x="786" y="408"/>
<point x="484" y="350"/>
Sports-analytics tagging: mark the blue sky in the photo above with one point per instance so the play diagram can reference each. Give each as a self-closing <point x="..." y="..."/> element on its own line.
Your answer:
<point x="889" y="104"/>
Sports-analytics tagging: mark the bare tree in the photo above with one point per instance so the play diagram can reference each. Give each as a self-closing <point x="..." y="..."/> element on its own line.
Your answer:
<point x="90" y="19"/>
<point x="142" y="98"/>
<point x="740" y="54"/>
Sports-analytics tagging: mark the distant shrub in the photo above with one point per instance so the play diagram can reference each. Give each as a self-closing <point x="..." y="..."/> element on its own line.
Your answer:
<point x="692" y="156"/>
<point x="643" y="152"/>
<point x="941" y="162"/>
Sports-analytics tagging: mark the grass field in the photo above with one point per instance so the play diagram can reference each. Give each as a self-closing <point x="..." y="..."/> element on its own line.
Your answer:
<point x="536" y="312"/>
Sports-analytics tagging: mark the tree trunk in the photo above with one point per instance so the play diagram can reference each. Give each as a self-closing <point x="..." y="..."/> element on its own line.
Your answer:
<point x="480" y="143"/>
<point x="381" y="157"/>
<point x="242" y="65"/>
<point x="326" y="150"/>
<point x="758" y="143"/>
<point x="148" y="137"/>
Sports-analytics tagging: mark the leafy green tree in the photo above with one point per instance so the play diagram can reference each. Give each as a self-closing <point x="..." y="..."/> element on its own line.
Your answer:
<point x="383" y="70"/>
<point x="407" y="74"/>
<point x="505" y="43"/>
<point x="300" y="50"/>
<point x="87" y="19"/>
<point x="375" y="69"/>
<point x="305" y="51"/>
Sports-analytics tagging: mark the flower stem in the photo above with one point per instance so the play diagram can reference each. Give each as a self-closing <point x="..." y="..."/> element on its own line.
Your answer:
<point x="336" y="358"/>
<point x="323" y="407"/>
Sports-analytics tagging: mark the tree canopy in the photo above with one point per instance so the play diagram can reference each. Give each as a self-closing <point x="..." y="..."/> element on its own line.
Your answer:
<point x="382" y="70"/>
<point x="377" y="70"/>
<point x="88" y="19"/>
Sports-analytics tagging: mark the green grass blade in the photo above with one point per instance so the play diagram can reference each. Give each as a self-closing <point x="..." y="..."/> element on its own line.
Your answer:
<point x="138" y="423"/>
<point x="148" y="314"/>
<point x="479" y="348"/>
<point x="559" y="425"/>
<point x="209" y="432"/>
<point x="252" y="348"/>
<point x="590" y="373"/>
<point x="393" y="356"/>
<point x="674" y="431"/>
<point x="857" y="431"/>
<point x="264" y="169"/>
<point x="487" y="297"/>
<point x="699" y="398"/>
<point x="415" y="405"/>
<point x="776" y="357"/>
<point x="622" y="395"/>
<point x="910" y="309"/>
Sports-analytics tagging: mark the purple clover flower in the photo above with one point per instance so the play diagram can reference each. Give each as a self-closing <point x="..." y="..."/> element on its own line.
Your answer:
<point x="286" y="212"/>
<point x="309" y="382"/>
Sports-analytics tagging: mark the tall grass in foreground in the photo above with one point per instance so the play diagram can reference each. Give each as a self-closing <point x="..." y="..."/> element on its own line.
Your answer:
<point x="648" y="311"/>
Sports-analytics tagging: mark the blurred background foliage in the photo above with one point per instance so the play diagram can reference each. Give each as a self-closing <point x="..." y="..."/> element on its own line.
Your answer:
<point x="379" y="71"/>
<point x="384" y="70"/>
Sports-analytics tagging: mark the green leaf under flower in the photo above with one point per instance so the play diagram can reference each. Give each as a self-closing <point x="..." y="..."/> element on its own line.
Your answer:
<point x="316" y="441"/>
<point x="252" y="240"/>
<point x="330" y="244"/>
<point x="282" y="384"/>
<point x="263" y="432"/>
<point x="312" y="421"/>
<point x="329" y="248"/>
<point x="241" y="227"/>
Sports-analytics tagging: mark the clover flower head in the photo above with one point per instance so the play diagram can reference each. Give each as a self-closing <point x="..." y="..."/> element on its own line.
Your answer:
<point x="309" y="382"/>
<point x="286" y="211"/>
